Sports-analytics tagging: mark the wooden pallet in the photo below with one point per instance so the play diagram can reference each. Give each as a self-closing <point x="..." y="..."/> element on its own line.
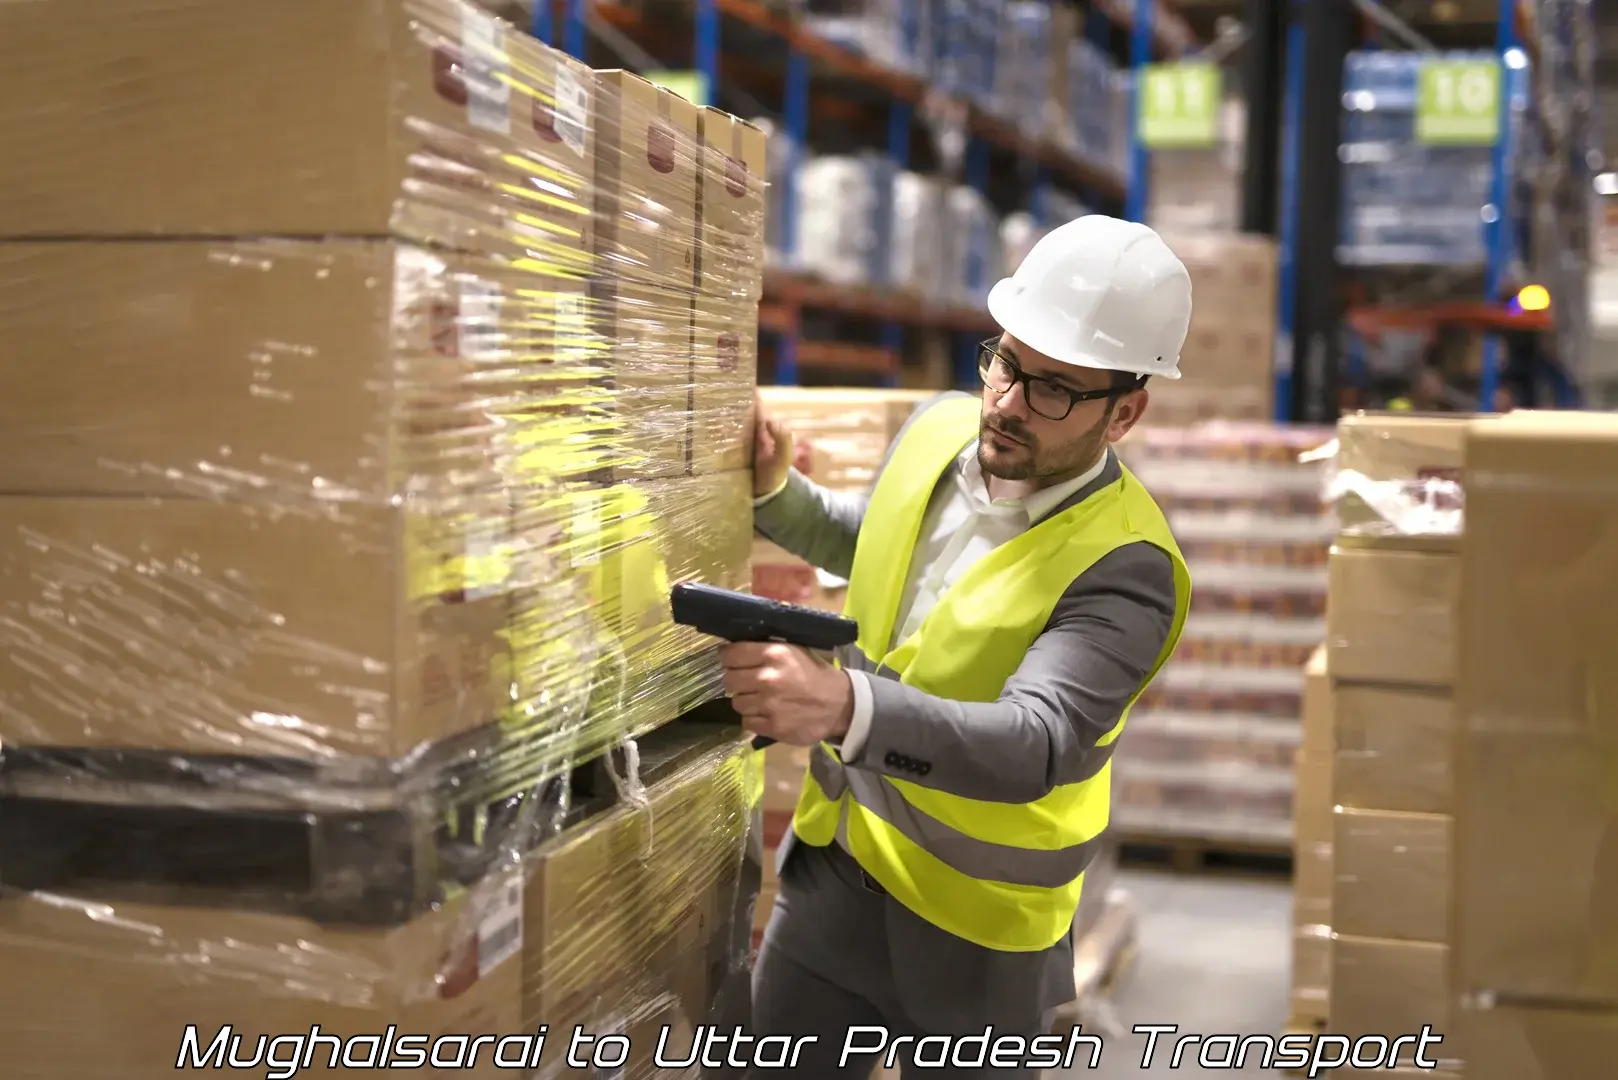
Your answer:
<point x="1202" y="855"/>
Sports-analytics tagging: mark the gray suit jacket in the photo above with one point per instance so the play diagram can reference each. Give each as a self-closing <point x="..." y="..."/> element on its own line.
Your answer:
<point x="1102" y="639"/>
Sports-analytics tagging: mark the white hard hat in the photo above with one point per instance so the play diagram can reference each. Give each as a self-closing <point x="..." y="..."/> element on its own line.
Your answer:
<point x="1099" y="292"/>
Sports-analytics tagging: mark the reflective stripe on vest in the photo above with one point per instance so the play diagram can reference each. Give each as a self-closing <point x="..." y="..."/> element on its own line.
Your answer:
<point x="1006" y="876"/>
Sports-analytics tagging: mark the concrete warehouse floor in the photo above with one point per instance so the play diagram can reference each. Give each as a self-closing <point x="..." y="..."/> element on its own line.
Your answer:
<point x="1213" y="955"/>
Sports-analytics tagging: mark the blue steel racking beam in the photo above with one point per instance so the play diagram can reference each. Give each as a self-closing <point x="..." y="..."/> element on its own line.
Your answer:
<point x="705" y="50"/>
<point x="966" y="345"/>
<point x="899" y="121"/>
<point x="541" y="26"/>
<point x="1287" y="256"/>
<point x="573" y="38"/>
<point x="795" y="112"/>
<point x="1140" y="54"/>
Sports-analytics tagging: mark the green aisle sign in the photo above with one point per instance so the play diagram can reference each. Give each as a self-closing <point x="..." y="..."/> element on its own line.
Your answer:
<point x="1458" y="103"/>
<point x="691" y="85"/>
<point x="1178" y="107"/>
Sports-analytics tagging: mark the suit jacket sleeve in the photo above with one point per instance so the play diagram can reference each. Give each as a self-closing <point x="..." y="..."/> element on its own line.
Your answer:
<point x="1043" y="731"/>
<point x="820" y="526"/>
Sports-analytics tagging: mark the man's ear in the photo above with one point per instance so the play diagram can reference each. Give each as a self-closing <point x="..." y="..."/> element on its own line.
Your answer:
<point x="1127" y="413"/>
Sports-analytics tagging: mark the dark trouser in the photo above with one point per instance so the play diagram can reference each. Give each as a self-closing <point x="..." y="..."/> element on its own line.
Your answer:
<point x="824" y="968"/>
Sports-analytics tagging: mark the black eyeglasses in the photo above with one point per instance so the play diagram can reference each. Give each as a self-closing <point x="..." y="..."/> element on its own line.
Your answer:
<point x="1050" y="400"/>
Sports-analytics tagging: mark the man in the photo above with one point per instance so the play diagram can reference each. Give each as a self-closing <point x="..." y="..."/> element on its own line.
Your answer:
<point x="1015" y="589"/>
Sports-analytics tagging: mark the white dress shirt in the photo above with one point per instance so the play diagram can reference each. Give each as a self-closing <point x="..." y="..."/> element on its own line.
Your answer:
<point x="961" y="526"/>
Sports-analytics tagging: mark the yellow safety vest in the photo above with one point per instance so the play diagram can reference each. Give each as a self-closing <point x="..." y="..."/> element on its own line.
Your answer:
<point x="1005" y="876"/>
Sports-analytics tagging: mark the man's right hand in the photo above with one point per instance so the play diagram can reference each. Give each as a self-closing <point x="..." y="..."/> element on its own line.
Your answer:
<point x="772" y="452"/>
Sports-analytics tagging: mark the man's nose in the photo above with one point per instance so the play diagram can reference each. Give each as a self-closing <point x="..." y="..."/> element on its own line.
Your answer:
<point x="1013" y="402"/>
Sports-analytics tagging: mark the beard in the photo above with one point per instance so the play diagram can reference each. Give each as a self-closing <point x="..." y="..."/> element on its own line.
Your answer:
<point x="1007" y="450"/>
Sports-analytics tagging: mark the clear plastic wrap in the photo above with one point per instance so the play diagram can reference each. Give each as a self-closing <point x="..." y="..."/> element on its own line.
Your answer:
<point x="838" y="200"/>
<point x="1395" y="748"/>
<point x="378" y="369"/>
<point x="916" y="259"/>
<point x="1391" y="613"/>
<point x="1396" y="474"/>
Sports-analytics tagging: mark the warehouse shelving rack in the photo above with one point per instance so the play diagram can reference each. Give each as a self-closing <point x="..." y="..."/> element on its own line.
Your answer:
<point x="815" y="78"/>
<point x="1310" y="355"/>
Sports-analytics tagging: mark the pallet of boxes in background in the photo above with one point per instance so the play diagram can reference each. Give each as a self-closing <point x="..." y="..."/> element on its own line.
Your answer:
<point x="349" y="456"/>
<point x="1205" y="765"/>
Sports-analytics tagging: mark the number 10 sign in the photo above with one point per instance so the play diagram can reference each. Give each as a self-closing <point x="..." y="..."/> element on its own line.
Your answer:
<point x="1458" y="103"/>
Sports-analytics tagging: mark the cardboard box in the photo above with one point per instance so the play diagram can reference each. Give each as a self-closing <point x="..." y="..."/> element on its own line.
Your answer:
<point x="421" y="118"/>
<point x="1395" y="748"/>
<point x="1312" y="786"/>
<point x="630" y="544"/>
<point x="1390" y="614"/>
<point x="1538" y="706"/>
<point x="1311" y="974"/>
<point x="1319" y="707"/>
<point x="1234" y="276"/>
<point x="724" y="378"/>
<point x="283" y="371"/>
<point x="730" y="247"/>
<point x="853" y="428"/>
<point x="1391" y="875"/>
<point x="1191" y="400"/>
<point x="1402" y="446"/>
<point x="138" y="974"/>
<point x="1415" y="461"/>
<point x="626" y="913"/>
<point x="207" y="627"/>
<point x="650" y="345"/>
<point x="646" y="185"/>
<point x="1312" y="882"/>
<point x="1538" y="1044"/>
<point x="1391" y="988"/>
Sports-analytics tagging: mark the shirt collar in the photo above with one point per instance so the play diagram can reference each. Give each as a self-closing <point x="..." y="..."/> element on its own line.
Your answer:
<point x="1041" y="503"/>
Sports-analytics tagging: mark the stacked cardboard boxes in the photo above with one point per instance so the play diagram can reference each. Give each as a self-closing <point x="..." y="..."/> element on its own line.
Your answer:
<point x="1536" y="863"/>
<point x="1229" y="356"/>
<point x="352" y="451"/>
<point x="1390" y="622"/>
<point x="1209" y="750"/>
<point x="1312" y="852"/>
<point x="841" y="438"/>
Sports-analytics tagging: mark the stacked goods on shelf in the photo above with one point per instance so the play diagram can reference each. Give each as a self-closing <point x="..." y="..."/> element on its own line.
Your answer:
<point x="1208" y="753"/>
<point x="1200" y="189"/>
<point x="335" y="549"/>
<point x="1024" y="65"/>
<point x="1536" y="930"/>
<point x="1405" y="200"/>
<point x="1228" y="359"/>
<point x="1085" y="84"/>
<point x="1391" y="615"/>
<point x="841" y="439"/>
<point x="1312" y="852"/>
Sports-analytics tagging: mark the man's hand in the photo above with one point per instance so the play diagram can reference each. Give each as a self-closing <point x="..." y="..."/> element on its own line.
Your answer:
<point x="772" y="451"/>
<point x="788" y="693"/>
